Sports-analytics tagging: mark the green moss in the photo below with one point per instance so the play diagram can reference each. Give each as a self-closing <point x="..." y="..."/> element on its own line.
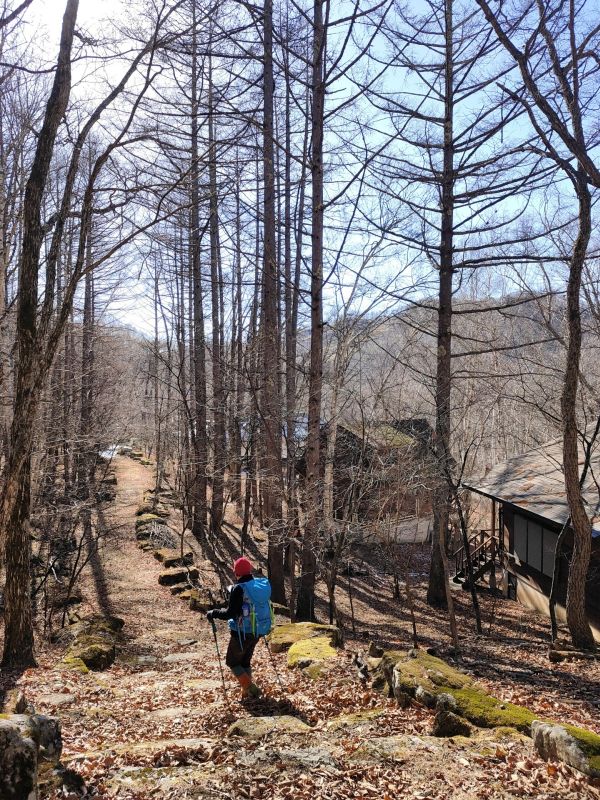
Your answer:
<point x="352" y="720"/>
<point x="430" y="672"/>
<point x="282" y="637"/>
<point x="589" y="742"/>
<point x="74" y="663"/>
<point x="309" y="651"/>
<point x="488" y="712"/>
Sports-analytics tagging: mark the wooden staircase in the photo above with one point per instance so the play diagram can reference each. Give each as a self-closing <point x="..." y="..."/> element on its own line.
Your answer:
<point x="484" y="551"/>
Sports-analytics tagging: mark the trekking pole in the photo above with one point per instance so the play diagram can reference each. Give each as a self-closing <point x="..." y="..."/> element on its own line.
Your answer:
<point x="214" y="631"/>
<point x="273" y="664"/>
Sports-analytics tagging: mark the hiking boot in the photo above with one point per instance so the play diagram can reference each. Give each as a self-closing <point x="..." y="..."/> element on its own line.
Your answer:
<point x="254" y="691"/>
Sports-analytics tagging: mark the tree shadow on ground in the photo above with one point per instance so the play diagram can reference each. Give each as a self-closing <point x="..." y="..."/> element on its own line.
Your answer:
<point x="271" y="707"/>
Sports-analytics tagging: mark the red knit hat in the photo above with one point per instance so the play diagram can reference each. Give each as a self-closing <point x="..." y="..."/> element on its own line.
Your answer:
<point x="242" y="567"/>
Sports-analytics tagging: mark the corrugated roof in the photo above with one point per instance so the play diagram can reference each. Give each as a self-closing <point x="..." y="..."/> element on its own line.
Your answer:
<point x="534" y="481"/>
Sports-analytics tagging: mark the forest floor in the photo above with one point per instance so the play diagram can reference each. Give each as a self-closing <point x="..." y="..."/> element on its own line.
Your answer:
<point x="155" y="724"/>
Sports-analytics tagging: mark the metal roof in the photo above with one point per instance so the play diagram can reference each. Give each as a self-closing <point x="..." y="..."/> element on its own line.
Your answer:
<point x="534" y="481"/>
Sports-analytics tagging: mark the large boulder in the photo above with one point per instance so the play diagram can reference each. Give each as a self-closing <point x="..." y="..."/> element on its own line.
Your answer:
<point x="42" y="730"/>
<point x="93" y="645"/>
<point x="282" y="637"/>
<point x="574" y="746"/>
<point x="311" y="652"/>
<point x="18" y="763"/>
<point x="416" y="673"/>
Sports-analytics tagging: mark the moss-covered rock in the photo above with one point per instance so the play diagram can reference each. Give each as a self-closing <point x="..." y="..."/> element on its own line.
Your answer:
<point x="93" y="645"/>
<point x="257" y="727"/>
<point x="308" y="652"/>
<point x="486" y="711"/>
<point x="356" y="720"/>
<point x="146" y="519"/>
<point x="574" y="746"/>
<point x="18" y="763"/>
<point x="413" y="673"/>
<point x="282" y="637"/>
<point x="74" y="664"/>
<point x="173" y="558"/>
<point x="381" y="670"/>
<point x="95" y="652"/>
<point x="180" y="575"/>
<point x="200" y="600"/>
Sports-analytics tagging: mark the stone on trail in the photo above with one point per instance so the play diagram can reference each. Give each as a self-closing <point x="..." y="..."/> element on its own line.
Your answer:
<point x="16" y="703"/>
<point x="257" y="727"/>
<point x="56" y="699"/>
<point x="180" y="575"/>
<point x="574" y="746"/>
<point x="357" y="720"/>
<point x="178" y="588"/>
<point x="394" y="748"/>
<point x="146" y="519"/>
<point x="173" y="558"/>
<point x="18" y="763"/>
<point x="42" y="730"/>
<point x="447" y="724"/>
<point x="305" y="758"/>
<point x="200" y="600"/>
<point x="179" y="658"/>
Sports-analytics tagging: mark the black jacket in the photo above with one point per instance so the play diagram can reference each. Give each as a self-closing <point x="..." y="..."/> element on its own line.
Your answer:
<point x="233" y="609"/>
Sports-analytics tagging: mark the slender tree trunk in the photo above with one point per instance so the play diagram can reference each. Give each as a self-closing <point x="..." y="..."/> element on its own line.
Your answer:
<point x="436" y="592"/>
<point x="306" y="590"/>
<point x="579" y="626"/>
<point x="271" y="410"/>
<point x="14" y="504"/>
<point x="199" y="481"/>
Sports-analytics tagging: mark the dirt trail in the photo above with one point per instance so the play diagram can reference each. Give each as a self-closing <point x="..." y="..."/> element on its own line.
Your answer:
<point x="155" y="724"/>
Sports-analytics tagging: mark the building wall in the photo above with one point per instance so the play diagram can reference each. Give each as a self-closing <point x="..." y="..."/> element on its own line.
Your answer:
<point x="533" y="584"/>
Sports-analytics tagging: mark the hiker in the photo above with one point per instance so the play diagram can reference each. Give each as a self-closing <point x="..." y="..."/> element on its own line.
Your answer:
<point x="249" y="615"/>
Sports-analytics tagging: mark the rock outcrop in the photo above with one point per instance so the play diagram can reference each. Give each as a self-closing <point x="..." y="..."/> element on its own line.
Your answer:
<point x="577" y="748"/>
<point x="93" y="643"/>
<point x="18" y="763"/>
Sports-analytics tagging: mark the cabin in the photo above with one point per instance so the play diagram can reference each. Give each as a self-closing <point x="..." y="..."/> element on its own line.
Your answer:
<point x="524" y="506"/>
<point x="380" y="471"/>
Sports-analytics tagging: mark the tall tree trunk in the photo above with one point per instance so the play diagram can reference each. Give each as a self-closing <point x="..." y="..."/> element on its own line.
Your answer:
<point x="199" y="482"/>
<point x="306" y="590"/>
<point x="14" y="505"/>
<point x="219" y="453"/>
<point x="579" y="627"/>
<point x="271" y="411"/>
<point x="436" y="592"/>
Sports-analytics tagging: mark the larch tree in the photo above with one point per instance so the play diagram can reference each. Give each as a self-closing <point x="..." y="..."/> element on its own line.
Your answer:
<point x="559" y="90"/>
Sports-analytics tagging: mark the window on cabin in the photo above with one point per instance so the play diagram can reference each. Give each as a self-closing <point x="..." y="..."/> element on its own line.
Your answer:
<point x="534" y="545"/>
<point x="550" y="539"/>
<point x="520" y="547"/>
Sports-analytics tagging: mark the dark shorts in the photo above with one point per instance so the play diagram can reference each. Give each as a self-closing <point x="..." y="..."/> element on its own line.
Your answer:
<point x="240" y="654"/>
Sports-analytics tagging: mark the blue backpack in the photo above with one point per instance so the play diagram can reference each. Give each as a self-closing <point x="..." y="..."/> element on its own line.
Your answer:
<point x="257" y="611"/>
